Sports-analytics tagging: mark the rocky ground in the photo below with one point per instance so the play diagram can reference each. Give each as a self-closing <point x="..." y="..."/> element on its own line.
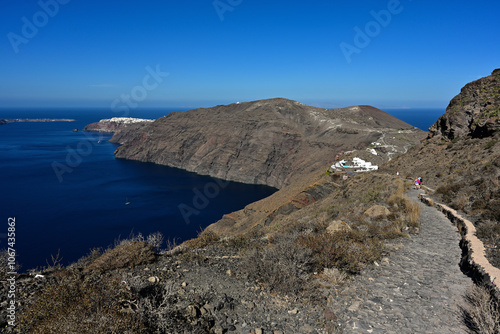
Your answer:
<point x="417" y="289"/>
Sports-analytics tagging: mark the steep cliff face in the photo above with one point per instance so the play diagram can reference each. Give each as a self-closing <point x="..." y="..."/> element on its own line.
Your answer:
<point x="262" y="142"/>
<point x="278" y="142"/>
<point x="474" y="112"/>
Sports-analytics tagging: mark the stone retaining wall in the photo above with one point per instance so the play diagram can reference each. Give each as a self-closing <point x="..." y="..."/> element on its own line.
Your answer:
<point x="474" y="261"/>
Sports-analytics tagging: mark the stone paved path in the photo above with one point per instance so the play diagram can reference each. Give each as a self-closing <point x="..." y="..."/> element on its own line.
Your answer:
<point x="417" y="289"/>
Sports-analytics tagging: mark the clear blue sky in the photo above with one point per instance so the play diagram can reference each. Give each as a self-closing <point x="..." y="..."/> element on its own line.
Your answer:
<point x="90" y="53"/>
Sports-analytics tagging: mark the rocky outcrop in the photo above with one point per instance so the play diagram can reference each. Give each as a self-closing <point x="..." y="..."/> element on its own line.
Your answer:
<point x="262" y="142"/>
<point x="474" y="112"/>
<point x="116" y="124"/>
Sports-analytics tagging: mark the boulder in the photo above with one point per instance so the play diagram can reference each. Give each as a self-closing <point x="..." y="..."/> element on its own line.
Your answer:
<point x="377" y="211"/>
<point x="337" y="225"/>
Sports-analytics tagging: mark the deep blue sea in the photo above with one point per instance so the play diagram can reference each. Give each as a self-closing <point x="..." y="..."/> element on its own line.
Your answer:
<point x="421" y="118"/>
<point x="69" y="194"/>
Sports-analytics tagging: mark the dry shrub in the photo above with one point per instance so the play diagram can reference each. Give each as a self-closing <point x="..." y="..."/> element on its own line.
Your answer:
<point x="481" y="312"/>
<point x="74" y="305"/>
<point x="86" y="260"/>
<point x="449" y="191"/>
<point x="489" y="233"/>
<point x="127" y="255"/>
<point x="345" y="250"/>
<point x="399" y="188"/>
<point x="204" y="239"/>
<point x="334" y="275"/>
<point x="191" y="256"/>
<point x="155" y="240"/>
<point x="239" y="242"/>
<point x="412" y="213"/>
<point x="284" y="265"/>
<point x="410" y="209"/>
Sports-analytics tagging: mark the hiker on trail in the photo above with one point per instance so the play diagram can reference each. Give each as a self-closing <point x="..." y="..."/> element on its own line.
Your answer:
<point x="417" y="183"/>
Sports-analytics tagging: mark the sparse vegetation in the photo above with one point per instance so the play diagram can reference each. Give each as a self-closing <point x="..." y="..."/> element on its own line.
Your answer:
<point x="204" y="239"/>
<point x="76" y="305"/>
<point x="490" y="144"/>
<point x="127" y="255"/>
<point x="481" y="312"/>
<point x="284" y="265"/>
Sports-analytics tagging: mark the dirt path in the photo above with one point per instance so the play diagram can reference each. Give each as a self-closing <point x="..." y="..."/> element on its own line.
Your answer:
<point x="417" y="289"/>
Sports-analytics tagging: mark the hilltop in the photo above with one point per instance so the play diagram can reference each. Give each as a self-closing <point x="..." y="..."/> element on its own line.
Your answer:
<point x="269" y="142"/>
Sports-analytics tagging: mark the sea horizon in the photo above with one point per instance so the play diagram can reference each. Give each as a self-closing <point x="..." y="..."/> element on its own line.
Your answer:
<point x="69" y="194"/>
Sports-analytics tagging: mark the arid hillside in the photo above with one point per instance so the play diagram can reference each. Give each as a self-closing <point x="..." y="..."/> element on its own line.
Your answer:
<point x="269" y="142"/>
<point x="278" y="142"/>
<point x="460" y="159"/>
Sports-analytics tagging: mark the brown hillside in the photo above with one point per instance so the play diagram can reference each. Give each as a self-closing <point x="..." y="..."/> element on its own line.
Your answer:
<point x="461" y="158"/>
<point x="262" y="142"/>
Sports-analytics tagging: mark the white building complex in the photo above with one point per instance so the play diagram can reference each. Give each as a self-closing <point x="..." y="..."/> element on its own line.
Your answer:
<point x="357" y="165"/>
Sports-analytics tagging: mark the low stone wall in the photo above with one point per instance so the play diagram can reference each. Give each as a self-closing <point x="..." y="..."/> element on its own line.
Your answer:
<point x="474" y="261"/>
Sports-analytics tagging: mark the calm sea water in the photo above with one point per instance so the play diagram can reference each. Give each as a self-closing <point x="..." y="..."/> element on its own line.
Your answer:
<point x="85" y="206"/>
<point x="421" y="118"/>
<point x="68" y="193"/>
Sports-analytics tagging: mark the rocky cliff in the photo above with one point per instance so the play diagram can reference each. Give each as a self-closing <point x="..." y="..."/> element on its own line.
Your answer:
<point x="278" y="142"/>
<point x="461" y="159"/>
<point x="475" y="112"/>
<point x="262" y="142"/>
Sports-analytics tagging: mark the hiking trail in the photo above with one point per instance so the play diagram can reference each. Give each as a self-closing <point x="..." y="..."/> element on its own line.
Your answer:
<point x="417" y="289"/>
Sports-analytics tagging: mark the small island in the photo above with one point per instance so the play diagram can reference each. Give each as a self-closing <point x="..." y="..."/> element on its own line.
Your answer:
<point x="21" y="120"/>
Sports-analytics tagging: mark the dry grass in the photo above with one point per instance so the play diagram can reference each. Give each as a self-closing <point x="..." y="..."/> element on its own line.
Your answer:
<point x="284" y="266"/>
<point x="334" y="275"/>
<point x="127" y="255"/>
<point x="412" y="212"/>
<point x="204" y="239"/>
<point x="75" y="305"/>
<point x="349" y="251"/>
<point x="481" y="312"/>
<point x="410" y="209"/>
